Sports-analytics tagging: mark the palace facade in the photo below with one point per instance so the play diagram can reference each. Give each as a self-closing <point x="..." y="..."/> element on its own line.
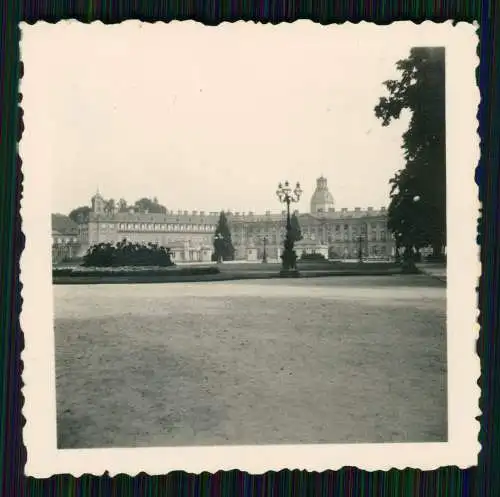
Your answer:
<point x="327" y="230"/>
<point x="66" y="239"/>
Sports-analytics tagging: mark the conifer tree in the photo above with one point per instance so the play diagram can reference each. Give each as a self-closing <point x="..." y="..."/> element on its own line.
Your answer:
<point x="296" y="232"/>
<point x="223" y="245"/>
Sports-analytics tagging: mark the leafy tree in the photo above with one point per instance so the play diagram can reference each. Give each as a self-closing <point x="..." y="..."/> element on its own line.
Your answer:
<point x="109" y="206"/>
<point x="223" y="245"/>
<point x="296" y="232"/>
<point x="417" y="211"/>
<point x="122" y="205"/>
<point x="80" y="215"/>
<point x="150" y="205"/>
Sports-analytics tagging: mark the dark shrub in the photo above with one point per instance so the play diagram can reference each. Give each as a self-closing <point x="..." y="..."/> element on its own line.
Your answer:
<point x="140" y="272"/>
<point x="312" y="257"/>
<point x="62" y="272"/>
<point x="436" y="258"/>
<point x="127" y="254"/>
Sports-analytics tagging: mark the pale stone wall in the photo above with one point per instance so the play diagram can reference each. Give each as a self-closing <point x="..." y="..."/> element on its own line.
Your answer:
<point x="338" y="230"/>
<point x="340" y="233"/>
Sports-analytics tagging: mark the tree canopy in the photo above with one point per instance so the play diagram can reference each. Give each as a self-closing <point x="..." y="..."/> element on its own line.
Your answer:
<point x="223" y="245"/>
<point x="80" y="215"/>
<point x="109" y="206"/>
<point x="150" y="205"/>
<point x="417" y="211"/>
<point x="122" y="205"/>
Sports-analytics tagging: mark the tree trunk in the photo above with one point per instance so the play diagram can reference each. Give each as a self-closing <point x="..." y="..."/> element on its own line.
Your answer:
<point x="408" y="266"/>
<point x="437" y="250"/>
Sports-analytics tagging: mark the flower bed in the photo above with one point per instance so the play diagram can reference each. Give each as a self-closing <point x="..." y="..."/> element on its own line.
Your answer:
<point x="135" y="271"/>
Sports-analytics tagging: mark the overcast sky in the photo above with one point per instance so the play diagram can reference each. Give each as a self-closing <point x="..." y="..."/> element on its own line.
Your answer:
<point x="212" y="118"/>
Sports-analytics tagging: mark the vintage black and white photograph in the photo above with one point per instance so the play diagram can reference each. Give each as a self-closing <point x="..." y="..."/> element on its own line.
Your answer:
<point x="250" y="236"/>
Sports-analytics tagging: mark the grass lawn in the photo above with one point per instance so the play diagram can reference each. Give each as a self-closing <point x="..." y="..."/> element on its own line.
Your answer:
<point x="335" y="360"/>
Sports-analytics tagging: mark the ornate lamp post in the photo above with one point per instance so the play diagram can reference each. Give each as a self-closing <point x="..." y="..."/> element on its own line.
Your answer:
<point x="287" y="196"/>
<point x="264" y="255"/>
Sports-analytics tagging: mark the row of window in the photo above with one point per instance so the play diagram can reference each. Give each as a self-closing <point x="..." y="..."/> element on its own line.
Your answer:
<point x="308" y="230"/>
<point x="341" y="252"/>
<point x="157" y="227"/>
<point x="62" y="240"/>
<point x="211" y="227"/>
<point x="354" y="229"/>
<point x="374" y="237"/>
<point x="307" y="233"/>
<point x="354" y="251"/>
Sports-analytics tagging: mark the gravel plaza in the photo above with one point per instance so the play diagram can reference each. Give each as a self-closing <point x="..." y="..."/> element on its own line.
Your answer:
<point x="312" y="360"/>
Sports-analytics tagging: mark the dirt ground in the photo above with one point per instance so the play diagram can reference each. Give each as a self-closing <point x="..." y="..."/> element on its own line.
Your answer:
<point x="333" y="360"/>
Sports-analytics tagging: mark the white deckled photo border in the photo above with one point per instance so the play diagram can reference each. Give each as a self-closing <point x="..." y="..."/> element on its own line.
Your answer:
<point x="462" y="99"/>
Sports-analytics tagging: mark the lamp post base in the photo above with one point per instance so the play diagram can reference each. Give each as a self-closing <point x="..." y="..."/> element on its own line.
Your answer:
<point x="289" y="273"/>
<point x="409" y="267"/>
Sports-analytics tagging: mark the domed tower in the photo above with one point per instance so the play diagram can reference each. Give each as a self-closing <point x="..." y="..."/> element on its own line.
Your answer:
<point x="322" y="199"/>
<point x="98" y="203"/>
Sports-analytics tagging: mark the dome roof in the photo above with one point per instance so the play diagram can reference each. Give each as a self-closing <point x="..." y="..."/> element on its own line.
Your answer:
<point x="322" y="199"/>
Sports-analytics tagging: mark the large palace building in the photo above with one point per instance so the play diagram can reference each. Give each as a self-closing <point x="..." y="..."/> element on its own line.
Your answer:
<point x="325" y="229"/>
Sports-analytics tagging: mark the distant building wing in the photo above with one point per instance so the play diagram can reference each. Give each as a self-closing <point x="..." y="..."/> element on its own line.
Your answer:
<point x="63" y="225"/>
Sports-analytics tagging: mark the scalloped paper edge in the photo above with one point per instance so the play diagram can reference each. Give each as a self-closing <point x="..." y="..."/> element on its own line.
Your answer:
<point x="464" y="270"/>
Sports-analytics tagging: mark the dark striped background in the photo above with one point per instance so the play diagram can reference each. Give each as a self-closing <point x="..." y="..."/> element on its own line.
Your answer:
<point x="482" y="480"/>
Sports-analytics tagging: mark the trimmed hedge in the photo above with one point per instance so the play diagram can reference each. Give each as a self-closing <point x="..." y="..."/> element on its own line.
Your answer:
<point x="135" y="271"/>
<point x="125" y="253"/>
<point x="313" y="257"/>
<point x="435" y="258"/>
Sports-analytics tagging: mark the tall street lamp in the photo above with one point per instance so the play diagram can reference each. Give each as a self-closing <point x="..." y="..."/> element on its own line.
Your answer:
<point x="264" y="255"/>
<point x="287" y="196"/>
